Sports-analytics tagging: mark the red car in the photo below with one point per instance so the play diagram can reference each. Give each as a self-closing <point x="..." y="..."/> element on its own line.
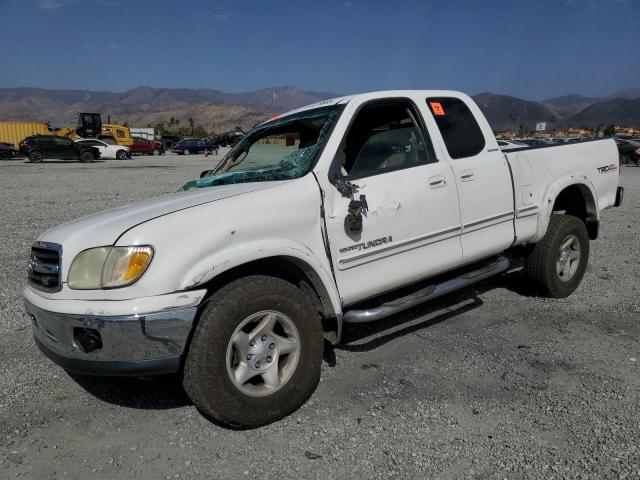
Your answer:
<point x="142" y="146"/>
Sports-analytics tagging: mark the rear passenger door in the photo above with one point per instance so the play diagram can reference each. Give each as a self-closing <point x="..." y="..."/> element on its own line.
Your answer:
<point x="481" y="173"/>
<point x="46" y="146"/>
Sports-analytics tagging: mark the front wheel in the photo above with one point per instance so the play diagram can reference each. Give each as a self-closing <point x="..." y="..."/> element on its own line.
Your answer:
<point x="557" y="263"/>
<point x="256" y="352"/>
<point x="156" y="152"/>
<point x="86" y="157"/>
<point x="121" y="154"/>
<point x="186" y="151"/>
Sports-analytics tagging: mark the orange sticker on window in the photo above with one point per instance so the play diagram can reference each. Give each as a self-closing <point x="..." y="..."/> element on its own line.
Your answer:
<point x="436" y="108"/>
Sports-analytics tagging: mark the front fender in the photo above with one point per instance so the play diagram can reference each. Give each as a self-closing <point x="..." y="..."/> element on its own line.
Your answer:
<point x="210" y="266"/>
<point x="551" y="194"/>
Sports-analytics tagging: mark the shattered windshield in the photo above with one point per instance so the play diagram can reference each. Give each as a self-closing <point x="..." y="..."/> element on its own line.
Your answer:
<point x="281" y="149"/>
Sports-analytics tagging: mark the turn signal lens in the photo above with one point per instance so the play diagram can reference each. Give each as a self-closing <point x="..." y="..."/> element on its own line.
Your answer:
<point x="125" y="265"/>
<point x="108" y="267"/>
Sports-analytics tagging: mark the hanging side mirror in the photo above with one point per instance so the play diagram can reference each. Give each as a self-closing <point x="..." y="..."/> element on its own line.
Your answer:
<point x="353" y="220"/>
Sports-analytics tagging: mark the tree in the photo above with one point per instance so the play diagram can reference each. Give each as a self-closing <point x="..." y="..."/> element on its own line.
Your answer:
<point x="199" y="131"/>
<point x="609" y="130"/>
<point x="172" y="123"/>
<point x="192" y="124"/>
<point x="522" y="131"/>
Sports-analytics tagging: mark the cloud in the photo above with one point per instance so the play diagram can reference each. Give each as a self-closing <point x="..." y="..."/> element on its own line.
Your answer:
<point x="56" y="4"/>
<point x="348" y="4"/>
<point x="52" y="4"/>
<point x="222" y="17"/>
<point x="595" y="6"/>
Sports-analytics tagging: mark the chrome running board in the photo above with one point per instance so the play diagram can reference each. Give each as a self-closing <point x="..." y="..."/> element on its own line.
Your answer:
<point x="387" y="309"/>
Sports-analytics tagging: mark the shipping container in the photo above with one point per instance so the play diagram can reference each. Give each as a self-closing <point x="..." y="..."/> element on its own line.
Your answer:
<point x="15" y="132"/>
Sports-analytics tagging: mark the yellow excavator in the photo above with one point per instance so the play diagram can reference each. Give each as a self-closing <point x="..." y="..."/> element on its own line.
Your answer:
<point x="89" y="126"/>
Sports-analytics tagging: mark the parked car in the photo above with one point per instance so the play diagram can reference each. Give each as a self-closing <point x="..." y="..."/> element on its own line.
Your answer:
<point x="536" y="142"/>
<point x="7" y="152"/>
<point x="629" y="151"/>
<point x="107" y="150"/>
<point x="506" y="145"/>
<point x="189" y="146"/>
<point x="39" y="147"/>
<point x="373" y="203"/>
<point x="142" y="146"/>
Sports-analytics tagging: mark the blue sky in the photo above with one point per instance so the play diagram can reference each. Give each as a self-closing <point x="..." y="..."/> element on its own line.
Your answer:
<point x="531" y="49"/>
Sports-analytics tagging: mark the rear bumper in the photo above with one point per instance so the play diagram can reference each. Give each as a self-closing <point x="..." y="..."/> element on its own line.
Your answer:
<point x="139" y="344"/>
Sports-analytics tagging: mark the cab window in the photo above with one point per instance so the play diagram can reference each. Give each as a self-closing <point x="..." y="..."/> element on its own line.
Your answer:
<point x="457" y="124"/>
<point x="384" y="137"/>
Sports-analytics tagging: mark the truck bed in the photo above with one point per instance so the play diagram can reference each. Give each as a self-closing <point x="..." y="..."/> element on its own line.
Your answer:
<point x="540" y="173"/>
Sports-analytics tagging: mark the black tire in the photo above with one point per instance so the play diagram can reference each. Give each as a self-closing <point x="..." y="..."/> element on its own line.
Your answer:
<point x="187" y="152"/>
<point x="541" y="265"/>
<point x="155" y="152"/>
<point x="35" y="156"/>
<point x="121" y="155"/>
<point x="86" y="157"/>
<point x="624" y="159"/>
<point x="205" y="375"/>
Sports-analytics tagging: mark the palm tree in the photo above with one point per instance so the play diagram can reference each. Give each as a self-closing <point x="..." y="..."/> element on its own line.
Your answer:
<point x="191" y="124"/>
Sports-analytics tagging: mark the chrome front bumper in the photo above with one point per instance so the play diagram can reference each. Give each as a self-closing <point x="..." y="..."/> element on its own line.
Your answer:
<point x="144" y="344"/>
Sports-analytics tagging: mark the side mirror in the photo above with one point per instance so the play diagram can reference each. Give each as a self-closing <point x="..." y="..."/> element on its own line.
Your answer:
<point x="353" y="220"/>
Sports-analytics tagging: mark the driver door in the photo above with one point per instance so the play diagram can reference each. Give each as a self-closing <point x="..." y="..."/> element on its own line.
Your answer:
<point x="410" y="218"/>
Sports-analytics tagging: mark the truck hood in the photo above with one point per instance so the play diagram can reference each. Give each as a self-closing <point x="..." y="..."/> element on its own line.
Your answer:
<point x="104" y="228"/>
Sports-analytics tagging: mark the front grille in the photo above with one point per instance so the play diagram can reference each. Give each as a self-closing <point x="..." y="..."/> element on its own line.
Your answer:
<point x="44" y="266"/>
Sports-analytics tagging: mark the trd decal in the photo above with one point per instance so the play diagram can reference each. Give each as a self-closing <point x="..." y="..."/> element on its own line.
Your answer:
<point x="358" y="247"/>
<point x="608" y="168"/>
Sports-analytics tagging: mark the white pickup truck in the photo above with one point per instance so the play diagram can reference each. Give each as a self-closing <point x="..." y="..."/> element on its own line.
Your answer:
<point x="238" y="278"/>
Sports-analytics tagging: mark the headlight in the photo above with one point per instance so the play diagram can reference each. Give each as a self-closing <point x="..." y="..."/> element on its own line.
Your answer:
<point x="108" y="267"/>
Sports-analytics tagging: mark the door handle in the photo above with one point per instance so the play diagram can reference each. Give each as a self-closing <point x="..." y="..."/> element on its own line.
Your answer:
<point x="437" y="182"/>
<point x="467" y="175"/>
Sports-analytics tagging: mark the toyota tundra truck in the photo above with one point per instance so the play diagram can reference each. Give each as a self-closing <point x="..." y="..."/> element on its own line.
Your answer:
<point x="343" y="212"/>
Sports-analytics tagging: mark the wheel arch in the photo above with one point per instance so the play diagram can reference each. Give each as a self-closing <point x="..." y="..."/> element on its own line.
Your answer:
<point x="293" y="263"/>
<point x="571" y="196"/>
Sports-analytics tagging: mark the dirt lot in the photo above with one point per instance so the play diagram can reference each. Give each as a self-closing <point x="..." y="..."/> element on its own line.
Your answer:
<point x="486" y="383"/>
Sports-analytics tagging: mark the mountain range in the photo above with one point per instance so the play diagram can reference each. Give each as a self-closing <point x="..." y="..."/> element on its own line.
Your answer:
<point x="220" y="111"/>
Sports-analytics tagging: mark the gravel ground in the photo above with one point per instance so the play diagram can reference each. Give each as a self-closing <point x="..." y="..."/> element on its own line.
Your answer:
<point x="486" y="383"/>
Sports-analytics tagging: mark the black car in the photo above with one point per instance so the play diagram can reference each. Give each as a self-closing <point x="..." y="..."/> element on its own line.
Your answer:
<point x="629" y="151"/>
<point x="6" y="151"/>
<point x="39" y="147"/>
<point x="189" y="146"/>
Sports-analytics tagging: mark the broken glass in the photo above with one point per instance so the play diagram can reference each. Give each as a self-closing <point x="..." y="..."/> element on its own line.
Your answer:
<point x="281" y="149"/>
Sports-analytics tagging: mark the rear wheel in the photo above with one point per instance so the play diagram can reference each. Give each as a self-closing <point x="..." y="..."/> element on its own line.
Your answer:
<point x="558" y="262"/>
<point x="35" y="156"/>
<point x="121" y="154"/>
<point x="156" y="152"/>
<point x="86" y="157"/>
<point x="256" y="352"/>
